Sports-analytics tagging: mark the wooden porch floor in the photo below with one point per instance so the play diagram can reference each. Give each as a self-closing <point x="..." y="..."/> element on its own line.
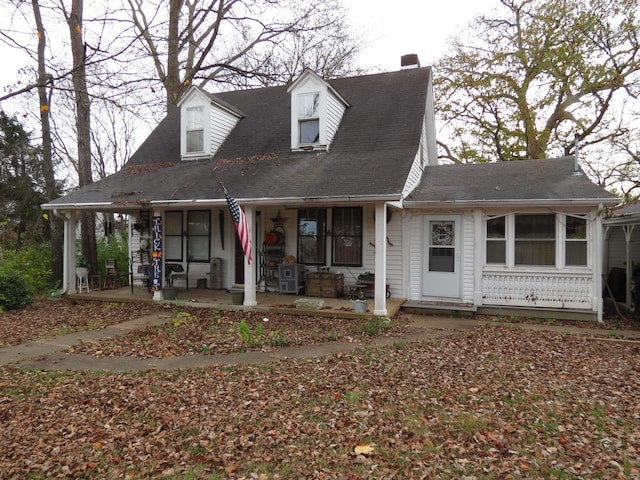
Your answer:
<point x="267" y="301"/>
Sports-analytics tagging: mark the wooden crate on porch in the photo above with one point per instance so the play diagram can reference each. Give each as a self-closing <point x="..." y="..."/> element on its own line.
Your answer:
<point x="323" y="284"/>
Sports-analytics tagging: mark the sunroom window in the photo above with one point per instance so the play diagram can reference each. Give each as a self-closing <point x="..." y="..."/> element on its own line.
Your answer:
<point x="195" y="129"/>
<point x="496" y="241"/>
<point x="575" y="241"/>
<point x="309" y="118"/>
<point x="535" y="239"/>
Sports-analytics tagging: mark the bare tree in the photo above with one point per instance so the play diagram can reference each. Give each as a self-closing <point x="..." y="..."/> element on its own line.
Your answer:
<point x="45" y="90"/>
<point x="83" y="123"/>
<point x="230" y="41"/>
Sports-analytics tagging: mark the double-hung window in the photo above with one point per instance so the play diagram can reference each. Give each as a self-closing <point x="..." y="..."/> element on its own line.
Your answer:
<point x="173" y="236"/>
<point x="496" y="241"/>
<point x="575" y="241"/>
<point x="347" y="236"/>
<point x="312" y="227"/>
<point x="198" y="235"/>
<point x="309" y="118"/>
<point x="195" y="129"/>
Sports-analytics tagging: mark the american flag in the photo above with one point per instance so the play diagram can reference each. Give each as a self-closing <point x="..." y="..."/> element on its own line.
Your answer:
<point x="242" y="228"/>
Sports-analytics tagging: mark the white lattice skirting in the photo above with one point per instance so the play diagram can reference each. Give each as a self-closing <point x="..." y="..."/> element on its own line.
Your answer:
<point x="539" y="290"/>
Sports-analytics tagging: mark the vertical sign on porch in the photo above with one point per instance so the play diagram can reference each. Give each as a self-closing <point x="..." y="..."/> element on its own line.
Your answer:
<point x="156" y="262"/>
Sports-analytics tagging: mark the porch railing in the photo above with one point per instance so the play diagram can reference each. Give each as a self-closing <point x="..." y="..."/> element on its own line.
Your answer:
<point x="541" y="290"/>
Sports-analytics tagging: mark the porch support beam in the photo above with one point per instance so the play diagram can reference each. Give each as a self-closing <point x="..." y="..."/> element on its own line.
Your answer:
<point x="69" y="253"/>
<point x="628" y="230"/>
<point x="380" y="290"/>
<point x="250" y="269"/>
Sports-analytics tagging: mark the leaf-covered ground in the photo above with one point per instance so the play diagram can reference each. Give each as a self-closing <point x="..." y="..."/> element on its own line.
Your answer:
<point x="493" y="403"/>
<point x="48" y="317"/>
<point x="209" y="331"/>
<point x="496" y="402"/>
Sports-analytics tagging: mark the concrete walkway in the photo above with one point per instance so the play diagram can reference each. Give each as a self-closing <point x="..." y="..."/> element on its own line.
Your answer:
<point x="49" y="354"/>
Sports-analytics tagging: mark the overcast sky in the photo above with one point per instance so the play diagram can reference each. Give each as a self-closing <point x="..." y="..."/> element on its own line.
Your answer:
<point x="392" y="28"/>
<point x="398" y="27"/>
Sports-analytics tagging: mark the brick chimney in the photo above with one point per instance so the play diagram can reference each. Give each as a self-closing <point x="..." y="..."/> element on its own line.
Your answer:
<point x="410" y="60"/>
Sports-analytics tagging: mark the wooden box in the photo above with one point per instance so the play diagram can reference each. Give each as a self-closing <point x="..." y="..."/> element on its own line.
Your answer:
<point x="321" y="284"/>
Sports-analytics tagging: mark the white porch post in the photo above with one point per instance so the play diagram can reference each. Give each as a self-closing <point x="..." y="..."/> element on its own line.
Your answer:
<point x="250" y="270"/>
<point x="69" y="253"/>
<point x="380" y="295"/>
<point x="628" y="230"/>
<point x="598" y="303"/>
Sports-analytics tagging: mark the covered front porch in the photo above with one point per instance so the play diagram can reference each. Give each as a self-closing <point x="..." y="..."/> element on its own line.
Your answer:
<point x="224" y="299"/>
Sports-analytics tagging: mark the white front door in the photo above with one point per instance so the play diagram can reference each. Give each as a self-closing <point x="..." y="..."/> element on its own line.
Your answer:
<point x="441" y="267"/>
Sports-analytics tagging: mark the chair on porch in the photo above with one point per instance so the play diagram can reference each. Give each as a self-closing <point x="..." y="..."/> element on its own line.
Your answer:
<point x="112" y="276"/>
<point x="184" y="275"/>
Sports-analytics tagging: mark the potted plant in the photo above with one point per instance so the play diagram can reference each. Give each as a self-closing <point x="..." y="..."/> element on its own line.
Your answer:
<point x="82" y="268"/>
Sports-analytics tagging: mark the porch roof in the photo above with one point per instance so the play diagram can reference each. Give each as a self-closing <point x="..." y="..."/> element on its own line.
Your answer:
<point x="527" y="182"/>
<point x="370" y="158"/>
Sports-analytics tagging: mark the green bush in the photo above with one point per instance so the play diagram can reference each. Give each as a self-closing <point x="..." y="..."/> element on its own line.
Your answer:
<point x="14" y="291"/>
<point x="116" y="247"/>
<point x="33" y="264"/>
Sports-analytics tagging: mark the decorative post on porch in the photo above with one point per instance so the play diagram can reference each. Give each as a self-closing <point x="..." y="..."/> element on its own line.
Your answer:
<point x="156" y="261"/>
<point x="380" y="295"/>
<point x="249" y="268"/>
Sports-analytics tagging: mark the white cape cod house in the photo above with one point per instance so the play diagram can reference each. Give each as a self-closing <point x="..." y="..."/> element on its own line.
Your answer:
<point x="341" y="177"/>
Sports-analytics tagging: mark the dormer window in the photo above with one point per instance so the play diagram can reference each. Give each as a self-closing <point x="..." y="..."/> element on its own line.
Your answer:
<point x="316" y="112"/>
<point x="309" y="117"/>
<point x="205" y="123"/>
<point x="195" y="129"/>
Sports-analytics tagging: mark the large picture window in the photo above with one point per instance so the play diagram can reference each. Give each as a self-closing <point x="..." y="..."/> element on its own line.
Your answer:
<point x="173" y="247"/>
<point x="198" y="235"/>
<point x="535" y="239"/>
<point x="346" y="227"/>
<point x="312" y="227"/>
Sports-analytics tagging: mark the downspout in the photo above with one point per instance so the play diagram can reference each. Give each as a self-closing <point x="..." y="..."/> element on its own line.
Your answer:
<point x="68" y="260"/>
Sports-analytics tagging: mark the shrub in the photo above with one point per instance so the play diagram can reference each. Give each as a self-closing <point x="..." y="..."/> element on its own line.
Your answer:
<point x="33" y="264"/>
<point x="14" y="291"/>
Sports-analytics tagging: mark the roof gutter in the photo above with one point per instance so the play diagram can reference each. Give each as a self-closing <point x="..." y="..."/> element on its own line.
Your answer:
<point x="222" y="202"/>
<point x="509" y="202"/>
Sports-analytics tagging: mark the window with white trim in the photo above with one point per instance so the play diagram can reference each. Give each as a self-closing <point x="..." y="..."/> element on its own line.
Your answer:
<point x="309" y="118"/>
<point x="195" y="129"/>
<point x="496" y="240"/>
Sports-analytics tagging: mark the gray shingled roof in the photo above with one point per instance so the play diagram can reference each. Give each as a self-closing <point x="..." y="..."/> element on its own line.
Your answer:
<point x="371" y="154"/>
<point x="550" y="180"/>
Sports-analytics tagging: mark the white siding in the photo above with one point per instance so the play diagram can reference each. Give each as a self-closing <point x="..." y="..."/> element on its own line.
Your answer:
<point x="468" y="257"/>
<point x="221" y="124"/>
<point x="415" y="251"/>
<point x="335" y="111"/>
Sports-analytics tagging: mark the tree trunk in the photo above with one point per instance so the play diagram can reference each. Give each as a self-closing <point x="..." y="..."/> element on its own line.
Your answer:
<point x="45" y="80"/>
<point x="83" y="126"/>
